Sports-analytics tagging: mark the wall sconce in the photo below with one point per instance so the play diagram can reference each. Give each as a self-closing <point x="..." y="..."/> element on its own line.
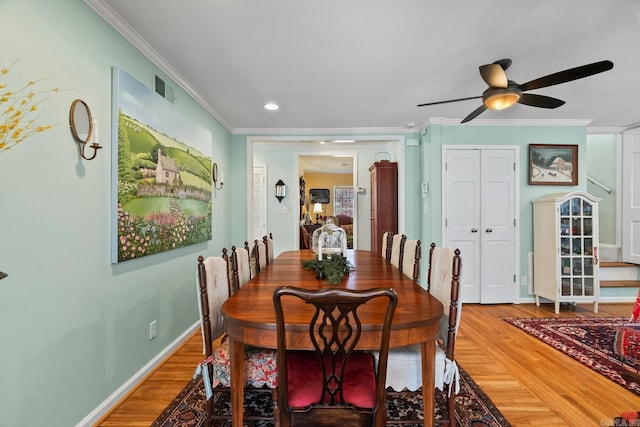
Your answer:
<point x="81" y="124"/>
<point x="214" y="175"/>
<point x="281" y="190"/>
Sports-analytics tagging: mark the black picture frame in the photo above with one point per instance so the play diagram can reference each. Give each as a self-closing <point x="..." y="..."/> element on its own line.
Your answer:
<point x="553" y="164"/>
<point x="319" y="195"/>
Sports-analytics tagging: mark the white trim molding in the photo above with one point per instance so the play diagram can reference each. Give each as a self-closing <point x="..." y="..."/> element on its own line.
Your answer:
<point x="105" y="407"/>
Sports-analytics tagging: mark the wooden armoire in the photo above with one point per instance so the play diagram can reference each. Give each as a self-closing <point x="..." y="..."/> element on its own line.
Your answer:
<point x="384" y="201"/>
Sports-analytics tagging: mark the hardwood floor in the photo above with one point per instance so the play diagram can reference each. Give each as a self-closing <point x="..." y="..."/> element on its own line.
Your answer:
<point x="530" y="382"/>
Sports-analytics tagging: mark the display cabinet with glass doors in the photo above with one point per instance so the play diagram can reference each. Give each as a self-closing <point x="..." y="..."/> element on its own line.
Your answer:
<point x="565" y="249"/>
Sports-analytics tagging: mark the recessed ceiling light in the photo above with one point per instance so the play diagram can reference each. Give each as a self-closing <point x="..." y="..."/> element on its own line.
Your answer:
<point x="271" y="106"/>
<point x="343" y="141"/>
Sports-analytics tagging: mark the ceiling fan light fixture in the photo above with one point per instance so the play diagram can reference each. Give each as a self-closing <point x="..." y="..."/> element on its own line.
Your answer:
<point x="499" y="99"/>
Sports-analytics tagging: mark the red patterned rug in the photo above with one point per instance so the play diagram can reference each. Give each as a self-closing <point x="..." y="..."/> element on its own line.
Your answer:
<point x="609" y="346"/>
<point x="474" y="408"/>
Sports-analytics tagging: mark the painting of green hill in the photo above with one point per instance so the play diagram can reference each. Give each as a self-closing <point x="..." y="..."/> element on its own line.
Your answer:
<point x="163" y="175"/>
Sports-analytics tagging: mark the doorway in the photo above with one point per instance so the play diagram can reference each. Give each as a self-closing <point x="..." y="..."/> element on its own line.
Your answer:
<point x="480" y="203"/>
<point x="333" y="173"/>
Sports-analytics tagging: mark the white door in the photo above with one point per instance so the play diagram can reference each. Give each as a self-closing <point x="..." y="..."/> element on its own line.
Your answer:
<point x="631" y="196"/>
<point x="479" y="218"/>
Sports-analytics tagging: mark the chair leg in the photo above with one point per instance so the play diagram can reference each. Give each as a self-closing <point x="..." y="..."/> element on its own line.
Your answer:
<point x="276" y="407"/>
<point x="208" y="421"/>
<point x="451" y="408"/>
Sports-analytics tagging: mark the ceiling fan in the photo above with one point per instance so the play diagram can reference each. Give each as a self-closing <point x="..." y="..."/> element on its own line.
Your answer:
<point x="503" y="93"/>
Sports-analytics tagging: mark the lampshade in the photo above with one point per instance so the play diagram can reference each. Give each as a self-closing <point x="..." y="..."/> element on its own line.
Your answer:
<point x="317" y="208"/>
<point x="501" y="98"/>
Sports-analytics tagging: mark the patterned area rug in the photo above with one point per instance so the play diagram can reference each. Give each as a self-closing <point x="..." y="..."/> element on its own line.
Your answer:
<point x="609" y="346"/>
<point x="474" y="408"/>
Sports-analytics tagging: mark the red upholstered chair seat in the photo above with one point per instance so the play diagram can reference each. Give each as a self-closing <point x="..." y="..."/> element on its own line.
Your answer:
<point x="305" y="380"/>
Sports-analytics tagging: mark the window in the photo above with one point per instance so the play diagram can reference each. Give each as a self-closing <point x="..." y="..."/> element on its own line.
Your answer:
<point x="343" y="201"/>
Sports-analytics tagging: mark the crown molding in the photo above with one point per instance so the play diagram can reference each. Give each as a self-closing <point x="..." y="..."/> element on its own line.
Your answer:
<point x="511" y="122"/>
<point x="325" y="131"/>
<point x="113" y="19"/>
<point x="605" y="130"/>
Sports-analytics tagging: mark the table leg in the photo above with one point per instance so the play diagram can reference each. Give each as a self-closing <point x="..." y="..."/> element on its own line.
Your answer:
<point x="428" y="381"/>
<point x="237" y="380"/>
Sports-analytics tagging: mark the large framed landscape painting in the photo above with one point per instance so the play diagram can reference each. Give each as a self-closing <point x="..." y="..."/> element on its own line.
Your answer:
<point x="161" y="174"/>
<point x="551" y="164"/>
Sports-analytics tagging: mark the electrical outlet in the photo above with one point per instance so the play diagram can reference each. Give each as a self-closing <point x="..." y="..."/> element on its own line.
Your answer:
<point x="524" y="281"/>
<point x="153" y="330"/>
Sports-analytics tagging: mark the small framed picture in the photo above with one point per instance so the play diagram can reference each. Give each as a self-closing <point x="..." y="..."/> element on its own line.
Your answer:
<point x="551" y="164"/>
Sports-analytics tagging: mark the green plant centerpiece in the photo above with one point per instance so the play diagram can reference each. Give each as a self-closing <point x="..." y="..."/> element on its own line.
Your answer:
<point x="333" y="267"/>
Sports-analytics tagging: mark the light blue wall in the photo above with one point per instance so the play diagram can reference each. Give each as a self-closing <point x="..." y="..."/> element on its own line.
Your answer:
<point x="602" y="166"/>
<point x="74" y="327"/>
<point x="281" y="160"/>
<point x="439" y="135"/>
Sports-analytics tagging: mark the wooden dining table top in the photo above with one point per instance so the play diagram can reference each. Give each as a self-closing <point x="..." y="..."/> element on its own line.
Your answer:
<point x="250" y="317"/>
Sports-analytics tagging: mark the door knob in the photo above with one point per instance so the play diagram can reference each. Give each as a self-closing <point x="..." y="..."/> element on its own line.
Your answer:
<point x="489" y="230"/>
<point x="474" y="230"/>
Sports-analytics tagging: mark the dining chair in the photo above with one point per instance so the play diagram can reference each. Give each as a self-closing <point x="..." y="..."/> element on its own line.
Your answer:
<point x="260" y="364"/>
<point x="333" y="384"/>
<point x="387" y="238"/>
<point x="268" y="244"/>
<point x="259" y="255"/>
<point x="397" y="248"/>
<point x="404" y="369"/>
<point x="252" y="260"/>
<point x="240" y="271"/>
<point x="411" y="259"/>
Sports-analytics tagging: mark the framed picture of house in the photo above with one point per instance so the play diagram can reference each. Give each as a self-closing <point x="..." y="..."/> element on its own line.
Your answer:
<point x="552" y="164"/>
<point x="161" y="174"/>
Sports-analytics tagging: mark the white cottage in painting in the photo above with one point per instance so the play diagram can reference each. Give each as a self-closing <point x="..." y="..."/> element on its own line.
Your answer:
<point x="166" y="170"/>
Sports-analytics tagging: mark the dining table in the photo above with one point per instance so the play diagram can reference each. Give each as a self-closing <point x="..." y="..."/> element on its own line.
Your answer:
<point x="250" y="317"/>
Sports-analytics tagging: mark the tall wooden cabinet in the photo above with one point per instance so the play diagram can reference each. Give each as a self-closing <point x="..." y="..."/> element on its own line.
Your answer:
<point x="384" y="201"/>
<point x="565" y="248"/>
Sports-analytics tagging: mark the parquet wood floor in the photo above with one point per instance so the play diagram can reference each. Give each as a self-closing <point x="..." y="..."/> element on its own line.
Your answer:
<point x="530" y="382"/>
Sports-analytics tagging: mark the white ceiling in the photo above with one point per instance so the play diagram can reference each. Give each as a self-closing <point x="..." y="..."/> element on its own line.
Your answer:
<point x="355" y="64"/>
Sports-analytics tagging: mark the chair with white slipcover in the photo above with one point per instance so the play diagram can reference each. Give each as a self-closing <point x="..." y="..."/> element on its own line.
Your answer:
<point x="261" y="372"/>
<point x="404" y="369"/>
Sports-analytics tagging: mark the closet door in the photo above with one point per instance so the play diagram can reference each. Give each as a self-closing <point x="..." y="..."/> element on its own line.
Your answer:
<point x="479" y="206"/>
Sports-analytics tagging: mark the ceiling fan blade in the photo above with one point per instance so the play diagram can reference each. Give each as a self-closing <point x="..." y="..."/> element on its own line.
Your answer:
<point x="494" y="75"/>
<point x="540" y="101"/>
<point x="567" y="75"/>
<point x="449" y="100"/>
<point x="475" y="113"/>
<point x="504" y="63"/>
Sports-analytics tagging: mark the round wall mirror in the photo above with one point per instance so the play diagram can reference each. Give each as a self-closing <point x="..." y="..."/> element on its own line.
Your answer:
<point x="80" y="121"/>
<point x="214" y="173"/>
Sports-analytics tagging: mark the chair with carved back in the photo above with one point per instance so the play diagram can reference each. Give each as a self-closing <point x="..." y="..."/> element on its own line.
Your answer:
<point x="213" y="279"/>
<point x="404" y="368"/>
<point x="240" y="270"/>
<point x="387" y="240"/>
<point x="334" y="384"/>
<point x="259" y="255"/>
<point x="268" y="245"/>
<point x="397" y="250"/>
<point x="411" y="255"/>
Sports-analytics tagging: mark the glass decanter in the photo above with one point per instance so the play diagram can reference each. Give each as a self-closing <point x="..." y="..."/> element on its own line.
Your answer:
<point x="330" y="238"/>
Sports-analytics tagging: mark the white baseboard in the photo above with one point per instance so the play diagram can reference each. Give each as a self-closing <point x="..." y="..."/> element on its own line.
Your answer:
<point x="106" y="406"/>
<point x="532" y="299"/>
